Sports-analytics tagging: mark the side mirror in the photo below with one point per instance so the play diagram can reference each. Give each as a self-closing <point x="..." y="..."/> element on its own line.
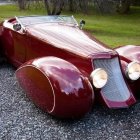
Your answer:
<point x="17" y="27"/>
<point x="82" y="23"/>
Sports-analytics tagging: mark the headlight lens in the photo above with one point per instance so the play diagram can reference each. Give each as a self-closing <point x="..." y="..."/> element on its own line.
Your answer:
<point x="133" y="70"/>
<point x="99" y="77"/>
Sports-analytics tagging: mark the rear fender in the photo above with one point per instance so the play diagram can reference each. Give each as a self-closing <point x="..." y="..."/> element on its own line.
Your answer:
<point x="56" y="86"/>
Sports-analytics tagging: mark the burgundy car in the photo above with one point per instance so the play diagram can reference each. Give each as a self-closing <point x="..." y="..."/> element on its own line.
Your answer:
<point x="64" y="69"/>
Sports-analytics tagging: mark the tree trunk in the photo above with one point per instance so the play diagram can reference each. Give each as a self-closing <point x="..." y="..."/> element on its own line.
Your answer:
<point x="71" y="5"/>
<point x="83" y="4"/>
<point x="22" y="4"/>
<point x="47" y="6"/>
<point x="54" y="7"/>
<point x="59" y="7"/>
<point x="124" y="6"/>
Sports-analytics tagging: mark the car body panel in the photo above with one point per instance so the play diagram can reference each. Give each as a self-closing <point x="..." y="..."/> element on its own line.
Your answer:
<point x="68" y="38"/>
<point x="56" y="86"/>
<point x="64" y="47"/>
<point x="130" y="52"/>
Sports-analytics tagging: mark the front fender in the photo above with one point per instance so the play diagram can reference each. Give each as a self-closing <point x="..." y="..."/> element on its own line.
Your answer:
<point x="56" y="86"/>
<point x="128" y="54"/>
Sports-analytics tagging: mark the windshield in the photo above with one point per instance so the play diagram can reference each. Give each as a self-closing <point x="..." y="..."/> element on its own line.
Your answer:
<point x="47" y="19"/>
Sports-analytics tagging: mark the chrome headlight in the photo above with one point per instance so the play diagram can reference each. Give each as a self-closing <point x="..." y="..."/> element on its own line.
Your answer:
<point x="133" y="71"/>
<point x="99" y="77"/>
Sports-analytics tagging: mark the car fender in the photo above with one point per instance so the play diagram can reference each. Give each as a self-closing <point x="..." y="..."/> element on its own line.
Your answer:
<point x="56" y="86"/>
<point x="128" y="54"/>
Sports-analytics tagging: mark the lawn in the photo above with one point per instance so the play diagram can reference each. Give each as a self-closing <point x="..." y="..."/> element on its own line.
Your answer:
<point x="114" y="30"/>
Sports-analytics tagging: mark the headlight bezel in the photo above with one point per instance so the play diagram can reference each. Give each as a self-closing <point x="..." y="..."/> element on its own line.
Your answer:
<point x="99" y="75"/>
<point x="133" y="71"/>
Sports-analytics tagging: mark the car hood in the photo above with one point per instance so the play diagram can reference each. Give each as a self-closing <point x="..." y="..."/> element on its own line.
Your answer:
<point x="69" y="38"/>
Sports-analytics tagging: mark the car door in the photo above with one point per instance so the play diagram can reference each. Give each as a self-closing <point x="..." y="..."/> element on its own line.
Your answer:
<point x="7" y="39"/>
<point x="20" y="44"/>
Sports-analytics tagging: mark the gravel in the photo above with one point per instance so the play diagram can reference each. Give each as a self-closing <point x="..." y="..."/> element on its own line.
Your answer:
<point x="20" y="119"/>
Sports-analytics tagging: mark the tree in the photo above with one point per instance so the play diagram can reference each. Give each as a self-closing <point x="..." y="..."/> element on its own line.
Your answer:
<point x="22" y="4"/>
<point x="136" y="2"/>
<point x="105" y="6"/>
<point x="111" y="6"/>
<point x="83" y="4"/>
<point x="124" y="6"/>
<point x="54" y="7"/>
<point x="71" y="5"/>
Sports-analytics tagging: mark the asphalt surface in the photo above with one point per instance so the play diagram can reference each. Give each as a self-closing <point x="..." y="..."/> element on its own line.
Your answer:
<point x="20" y="119"/>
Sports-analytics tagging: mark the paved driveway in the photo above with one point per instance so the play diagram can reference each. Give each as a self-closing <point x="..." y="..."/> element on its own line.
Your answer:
<point x="20" y="119"/>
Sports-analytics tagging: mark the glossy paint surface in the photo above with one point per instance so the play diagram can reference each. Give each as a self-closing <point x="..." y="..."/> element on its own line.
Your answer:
<point x="68" y="38"/>
<point x="69" y="79"/>
<point x="131" y="52"/>
<point x="126" y="98"/>
<point x="56" y="86"/>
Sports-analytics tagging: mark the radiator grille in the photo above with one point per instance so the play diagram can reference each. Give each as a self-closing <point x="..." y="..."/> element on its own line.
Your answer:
<point x="116" y="88"/>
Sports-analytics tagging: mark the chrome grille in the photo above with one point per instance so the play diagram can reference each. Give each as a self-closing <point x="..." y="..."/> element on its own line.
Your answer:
<point x="116" y="88"/>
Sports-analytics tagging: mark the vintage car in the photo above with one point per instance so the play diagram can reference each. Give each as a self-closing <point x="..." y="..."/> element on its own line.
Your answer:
<point x="64" y="69"/>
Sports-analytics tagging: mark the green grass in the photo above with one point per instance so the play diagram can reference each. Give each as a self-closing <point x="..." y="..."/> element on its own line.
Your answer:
<point x="7" y="11"/>
<point x="114" y="30"/>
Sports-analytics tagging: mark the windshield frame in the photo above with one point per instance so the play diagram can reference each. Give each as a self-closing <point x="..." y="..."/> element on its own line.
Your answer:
<point x="50" y="19"/>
